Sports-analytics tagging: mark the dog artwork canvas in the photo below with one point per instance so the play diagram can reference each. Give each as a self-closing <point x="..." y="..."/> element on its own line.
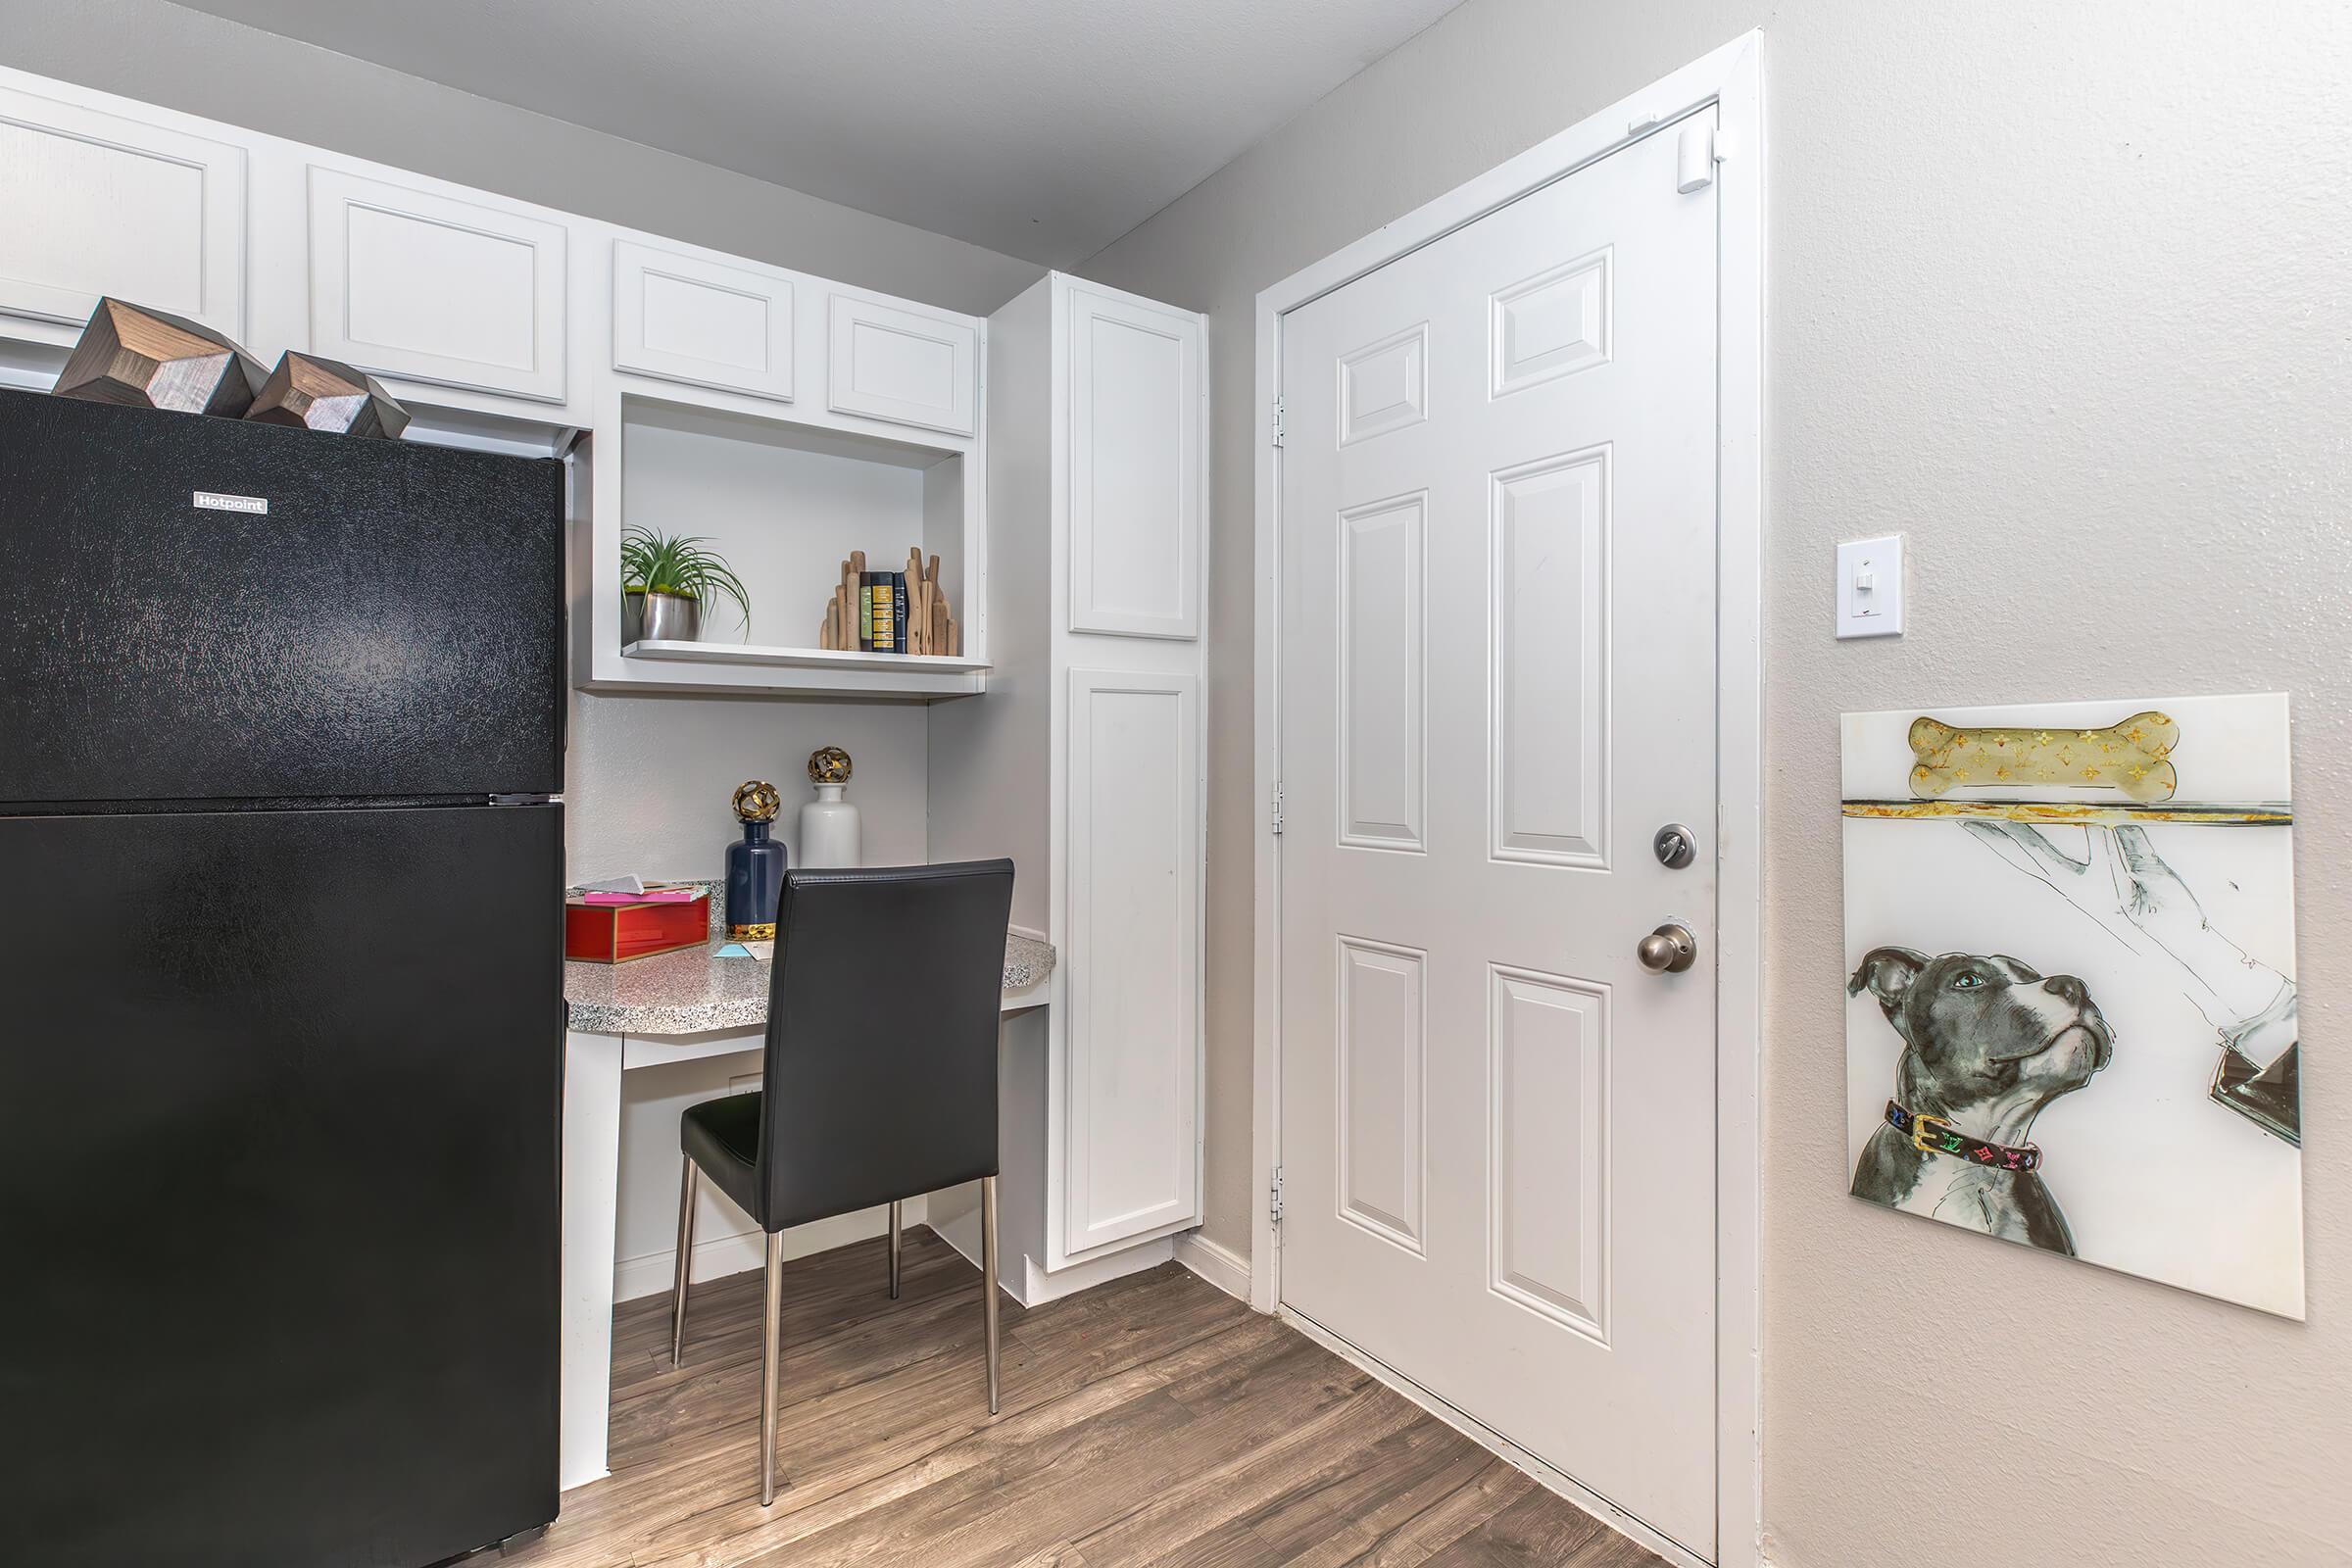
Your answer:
<point x="2069" y="980"/>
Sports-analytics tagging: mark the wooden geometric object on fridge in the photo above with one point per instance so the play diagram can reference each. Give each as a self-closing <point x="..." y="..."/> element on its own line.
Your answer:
<point x="148" y="360"/>
<point x="328" y="395"/>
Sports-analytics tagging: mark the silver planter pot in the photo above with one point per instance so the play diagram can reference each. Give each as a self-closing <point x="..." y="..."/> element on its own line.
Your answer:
<point x="663" y="617"/>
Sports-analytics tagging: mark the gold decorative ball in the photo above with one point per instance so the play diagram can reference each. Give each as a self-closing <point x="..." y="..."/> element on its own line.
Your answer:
<point x="756" y="800"/>
<point x="828" y="764"/>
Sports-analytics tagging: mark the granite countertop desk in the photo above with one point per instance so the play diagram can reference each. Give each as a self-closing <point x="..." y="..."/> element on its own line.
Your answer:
<point x="693" y="992"/>
<point x="656" y="1012"/>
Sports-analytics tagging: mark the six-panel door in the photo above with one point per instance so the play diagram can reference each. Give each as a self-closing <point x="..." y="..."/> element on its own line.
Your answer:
<point x="1498" y="652"/>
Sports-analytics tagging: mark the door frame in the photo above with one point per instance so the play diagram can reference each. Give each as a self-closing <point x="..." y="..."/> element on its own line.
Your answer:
<point x="1729" y="78"/>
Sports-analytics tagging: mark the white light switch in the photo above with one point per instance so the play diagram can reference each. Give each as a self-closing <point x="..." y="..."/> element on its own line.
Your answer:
<point x="1870" y="587"/>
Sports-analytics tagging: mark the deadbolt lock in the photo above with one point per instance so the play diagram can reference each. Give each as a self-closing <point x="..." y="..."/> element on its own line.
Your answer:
<point x="1676" y="845"/>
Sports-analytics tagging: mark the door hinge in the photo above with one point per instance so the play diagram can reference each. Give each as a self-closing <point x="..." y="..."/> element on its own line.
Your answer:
<point x="1274" y="1196"/>
<point x="1277" y="824"/>
<point x="1277" y="421"/>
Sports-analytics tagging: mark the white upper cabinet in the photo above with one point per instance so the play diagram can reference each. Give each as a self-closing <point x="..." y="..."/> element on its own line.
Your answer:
<point x="94" y="204"/>
<point x="1135" y="466"/>
<point x="680" y="318"/>
<point x="409" y="282"/>
<point x="907" y="365"/>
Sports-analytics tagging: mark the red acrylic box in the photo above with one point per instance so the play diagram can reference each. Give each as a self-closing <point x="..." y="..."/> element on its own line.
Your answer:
<point x="605" y="928"/>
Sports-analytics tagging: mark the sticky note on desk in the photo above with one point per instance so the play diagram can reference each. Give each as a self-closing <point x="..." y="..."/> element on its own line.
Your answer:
<point x="733" y="949"/>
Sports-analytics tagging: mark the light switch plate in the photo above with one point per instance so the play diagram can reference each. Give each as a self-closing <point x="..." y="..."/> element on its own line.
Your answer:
<point x="1870" y="587"/>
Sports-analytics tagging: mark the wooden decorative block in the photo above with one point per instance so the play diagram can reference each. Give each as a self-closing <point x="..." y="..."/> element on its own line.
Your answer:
<point x="145" y="358"/>
<point x="325" y="394"/>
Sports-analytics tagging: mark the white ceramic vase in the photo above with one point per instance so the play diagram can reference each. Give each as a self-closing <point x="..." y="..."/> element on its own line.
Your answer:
<point x="829" y="828"/>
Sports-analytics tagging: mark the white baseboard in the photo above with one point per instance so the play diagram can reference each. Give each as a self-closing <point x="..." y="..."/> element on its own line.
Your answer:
<point x="1503" y="1447"/>
<point x="1032" y="1286"/>
<point x="717" y="1256"/>
<point x="1219" y="1264"/>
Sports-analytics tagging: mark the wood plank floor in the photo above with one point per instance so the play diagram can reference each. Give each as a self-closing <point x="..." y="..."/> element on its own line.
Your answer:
<point x="1152" y="1421"/>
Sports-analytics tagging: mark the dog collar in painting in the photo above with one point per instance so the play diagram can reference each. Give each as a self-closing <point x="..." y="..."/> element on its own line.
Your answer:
<point x="1932" y="1135"/>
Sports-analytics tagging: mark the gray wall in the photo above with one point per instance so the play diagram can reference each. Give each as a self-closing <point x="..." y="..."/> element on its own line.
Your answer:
<point x="2058" y="291"/>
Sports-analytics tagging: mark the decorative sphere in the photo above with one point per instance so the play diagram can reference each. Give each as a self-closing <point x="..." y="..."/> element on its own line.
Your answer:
<point x="830" y="765"/>
<point x="756" y="800"/>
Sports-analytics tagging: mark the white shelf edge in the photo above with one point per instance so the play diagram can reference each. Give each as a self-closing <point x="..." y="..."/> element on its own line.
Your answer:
<point x="698" y="653"/>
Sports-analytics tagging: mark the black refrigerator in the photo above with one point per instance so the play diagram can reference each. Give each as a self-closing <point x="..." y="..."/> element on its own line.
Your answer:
<point x="280" y="992"/>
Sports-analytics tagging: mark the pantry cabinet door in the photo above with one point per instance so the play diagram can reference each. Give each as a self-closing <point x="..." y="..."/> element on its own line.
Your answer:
<point x="1130" y="1146"/>
<point x="141" y="212"/>
<point x="908" y="367"/>
<point x="413" y="283"/>
<point x="1135" y="466"/>
<point x="683" y="319"/>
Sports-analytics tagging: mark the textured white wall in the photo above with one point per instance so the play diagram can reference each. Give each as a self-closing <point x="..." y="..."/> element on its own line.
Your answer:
<point x="2060" y="292"/>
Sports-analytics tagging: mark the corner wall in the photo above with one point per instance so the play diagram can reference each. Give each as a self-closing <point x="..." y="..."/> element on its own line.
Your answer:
<point x="2059" y="292"/>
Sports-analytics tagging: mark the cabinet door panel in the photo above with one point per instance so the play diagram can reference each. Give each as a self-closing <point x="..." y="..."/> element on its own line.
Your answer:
<point x="148" y="214"/>
<point x="413" y="283"/>
<point x="1133" y="982"/>
<point x="706" y="323"/>
<point x="1135" y="469"/>
<point x="907" y="367"/>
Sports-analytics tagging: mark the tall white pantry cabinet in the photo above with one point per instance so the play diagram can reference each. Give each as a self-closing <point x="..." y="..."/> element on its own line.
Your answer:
<point x="1085" y="762"/>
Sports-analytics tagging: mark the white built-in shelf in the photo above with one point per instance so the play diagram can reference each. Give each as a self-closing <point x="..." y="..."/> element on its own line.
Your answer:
<point x="817" y="671"/>
<point x="786" y="501"/>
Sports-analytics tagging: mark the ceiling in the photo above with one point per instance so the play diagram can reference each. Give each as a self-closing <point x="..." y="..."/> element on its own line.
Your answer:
<point x="1042" y="129"/>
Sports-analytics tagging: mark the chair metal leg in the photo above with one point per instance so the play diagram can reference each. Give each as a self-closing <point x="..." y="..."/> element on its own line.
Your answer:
<point x="687" y="1184"/>
<point x="770" y="1337"/>
<point x="988" y="1278"/>
<point x="894" y="1251"/>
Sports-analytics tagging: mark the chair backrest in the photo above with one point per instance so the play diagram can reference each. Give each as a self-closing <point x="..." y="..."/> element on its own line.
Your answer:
<point x="881" y="1075"/>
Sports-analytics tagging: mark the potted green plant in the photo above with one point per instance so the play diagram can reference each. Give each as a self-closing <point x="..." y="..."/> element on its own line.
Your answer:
<point x="665" y="583"/>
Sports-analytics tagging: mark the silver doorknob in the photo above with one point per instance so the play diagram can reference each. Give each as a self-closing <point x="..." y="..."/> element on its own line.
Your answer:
<point x="1669" y="949"/>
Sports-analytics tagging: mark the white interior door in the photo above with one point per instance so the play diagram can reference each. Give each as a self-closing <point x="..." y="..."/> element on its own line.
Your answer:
<point x="1498" y="643"/>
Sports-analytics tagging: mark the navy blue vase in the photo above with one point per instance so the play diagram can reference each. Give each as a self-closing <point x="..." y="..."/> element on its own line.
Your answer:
<point x="755" y="880"/>
<point x="755" y="866"/>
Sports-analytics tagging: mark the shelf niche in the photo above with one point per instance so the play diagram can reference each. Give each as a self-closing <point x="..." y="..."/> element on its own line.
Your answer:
<point x="785" y="504"/>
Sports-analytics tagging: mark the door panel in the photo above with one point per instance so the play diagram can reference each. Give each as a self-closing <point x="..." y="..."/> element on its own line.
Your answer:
<point x="683" y="319"/>
<point x="413" y="283"/>
<point x="1547" y="1178"/>
<point x="279" y="1105"/>
<point x="1382" y="1045"/>
<point x="1384" y="549"/>
<point x="128" y="208"/>
<point x="1549" y="625"/>
<point x="1132" y="978"/>
<point x="1496" y="631"/>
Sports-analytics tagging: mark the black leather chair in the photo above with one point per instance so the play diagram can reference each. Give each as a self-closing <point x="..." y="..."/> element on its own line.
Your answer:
<point x="880" y="1080"/>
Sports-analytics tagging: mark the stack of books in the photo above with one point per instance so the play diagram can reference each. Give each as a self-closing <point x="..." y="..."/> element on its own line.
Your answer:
<point x="890" y="612"/>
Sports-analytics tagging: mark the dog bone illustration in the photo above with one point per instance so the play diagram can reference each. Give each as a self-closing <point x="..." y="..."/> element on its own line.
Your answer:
<point x="2132" y="756"/>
